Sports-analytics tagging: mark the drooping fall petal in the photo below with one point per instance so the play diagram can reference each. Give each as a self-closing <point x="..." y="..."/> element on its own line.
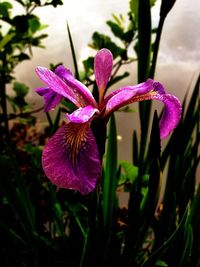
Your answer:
<point x="148" y="91"/>
<point x="66" y="86"/>
<point x="102" y="69"/>
<point x="71" y="160"/>
<point x="171" y="114"/>
<point x="82" y="115"/>
<point x="172" y="110"/>
<point x="51" y="99"/>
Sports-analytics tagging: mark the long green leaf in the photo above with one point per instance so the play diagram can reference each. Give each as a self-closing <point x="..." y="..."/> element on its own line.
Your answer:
<point x="144" y="39"/>
<point x="149" y="202"/>
<point x="151" y="261"/>
<point x="110" y="175"/>
<point x="144" y="52"/>
<point x="195" y="207"/>
<point x="135" y="148"/>
<point x="73" y="52"/>
<point x="188" y="241"/>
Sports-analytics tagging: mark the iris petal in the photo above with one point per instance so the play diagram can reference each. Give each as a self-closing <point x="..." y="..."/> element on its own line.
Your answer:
<point x="66" y="85"/>
<point x="172" y="111"/>
<point x="63" y="72"/>
<point x="51" y="99"/>
<point x="56" y="84"/>
<point x="148" y="91"/>
<point x="71" y="160"/>
<point x="84" y="94"/>
<point x="171" y="114"/>
<point x="102" y="68"/>
<point x="82" y="115"/>
<point x="126" y="95"/>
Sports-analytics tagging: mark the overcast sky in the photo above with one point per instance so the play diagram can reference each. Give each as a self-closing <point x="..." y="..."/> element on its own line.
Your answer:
<point x="179" y="49"/>
<point x="179" y="55"/>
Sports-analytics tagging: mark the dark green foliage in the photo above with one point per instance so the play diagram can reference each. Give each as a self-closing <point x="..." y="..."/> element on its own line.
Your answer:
<point x="101" y="41"/>
<point x="16" y="44"/>
<point x="182" y="152"/>
<point x="118" y="28"/>
<point x="18" y="102"/>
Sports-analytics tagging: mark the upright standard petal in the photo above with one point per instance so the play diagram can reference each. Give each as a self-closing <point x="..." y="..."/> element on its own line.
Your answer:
<point x="71" y="160"/>
<point x="51" y="99"/>
<point x="102" y="69"/>
<point x="82" y="115"/>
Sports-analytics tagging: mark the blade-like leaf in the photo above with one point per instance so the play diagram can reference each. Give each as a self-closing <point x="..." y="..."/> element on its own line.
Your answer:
<point x="135" y="148"/>
<point x="151" y="261"/>
<point x="188" y="240"/>
<point x="73" y="52"/>
<point x="143" y="51"/>
<point x="110" y="175"/>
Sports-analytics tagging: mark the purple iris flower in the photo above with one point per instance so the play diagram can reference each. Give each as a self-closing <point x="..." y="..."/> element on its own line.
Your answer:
<point x="70" y="158"/>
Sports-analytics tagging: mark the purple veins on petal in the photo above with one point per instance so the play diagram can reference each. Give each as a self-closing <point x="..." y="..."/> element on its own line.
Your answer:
<point x="71" y="160"/>
<point x="103" y="63"/>
<point x="82" y="115"/>
<point x="51" y="99"/>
